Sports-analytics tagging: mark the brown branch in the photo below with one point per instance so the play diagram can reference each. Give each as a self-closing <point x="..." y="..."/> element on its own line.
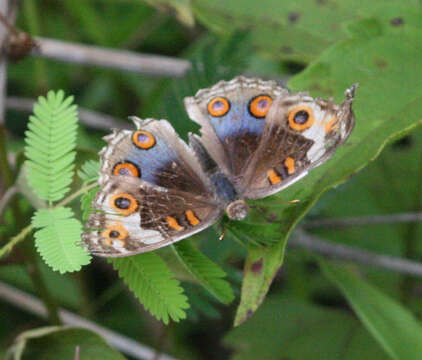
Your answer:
<point x="302" y="239"/>
<point x="365" y="220"/>
<point x="34" y="306"/>
<point x="119" y="59"/>
<point x="88" y="117"/>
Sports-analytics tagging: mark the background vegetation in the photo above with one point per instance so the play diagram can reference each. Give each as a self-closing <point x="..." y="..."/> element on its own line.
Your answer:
<point x="198" y="299"/>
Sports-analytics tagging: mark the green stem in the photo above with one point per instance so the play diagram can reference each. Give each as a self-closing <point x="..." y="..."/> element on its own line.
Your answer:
<point x="16" y="239"/>
<point x="80" y="192"/>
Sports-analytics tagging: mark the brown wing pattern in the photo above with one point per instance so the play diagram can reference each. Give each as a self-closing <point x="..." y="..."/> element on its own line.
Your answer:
<point x="300" y="134"/>
<point x="153" y="192"/>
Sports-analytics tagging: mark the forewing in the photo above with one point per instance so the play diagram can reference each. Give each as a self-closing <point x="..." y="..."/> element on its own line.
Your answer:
<point x="153" y="192"/>
<point x="232" y="117"/>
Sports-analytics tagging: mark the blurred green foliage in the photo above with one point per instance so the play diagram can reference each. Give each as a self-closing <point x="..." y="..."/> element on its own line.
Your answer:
<point x="335" y="43"/>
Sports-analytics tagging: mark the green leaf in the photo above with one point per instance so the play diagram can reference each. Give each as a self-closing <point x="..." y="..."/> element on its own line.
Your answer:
<point x="60" y="342"/>
<point x="86" y="201"/>
<point x="394" y="327"/>
<point x="296" y="24"/>
<point x="58" y="239"/>
<point x="258" y="274"/>
<point x="89" y="171"/>
<point x="380" y="65"/>
<point x="209" y="274"/>
<point x="50" y="143"/>
<point x="153" y="284"/>
<point x="290" y="328"/>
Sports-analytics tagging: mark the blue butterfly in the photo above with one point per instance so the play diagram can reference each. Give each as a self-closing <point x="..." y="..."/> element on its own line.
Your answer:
<point x="256" y="139"/>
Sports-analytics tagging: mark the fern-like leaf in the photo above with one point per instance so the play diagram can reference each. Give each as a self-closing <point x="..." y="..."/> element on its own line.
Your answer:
<point x="89" y="171"/>
<point x="50" y="143"/>
<point x="209" y="274"/>
<point x="86" y="201"/>
<point x="153" y="284"/>
<point x="58" y="239"/>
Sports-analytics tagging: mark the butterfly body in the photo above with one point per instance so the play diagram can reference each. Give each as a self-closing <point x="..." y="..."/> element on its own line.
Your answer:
<point x="256" y="139"/>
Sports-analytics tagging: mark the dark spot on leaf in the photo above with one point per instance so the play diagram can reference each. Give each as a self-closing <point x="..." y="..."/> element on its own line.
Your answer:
<point x="293" y="67"/>
<point x="381" y="63"/>
<point x="256" y="267"/>
<point x="272" y="218"/>
<point x="293" y="17"/>
<point x="397" y="21"/>
<point x="249" y="313"/>
<point x="320" y="2"/>
<point x="403" y="143"/>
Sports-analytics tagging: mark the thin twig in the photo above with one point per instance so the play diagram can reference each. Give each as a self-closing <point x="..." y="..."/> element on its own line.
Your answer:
<point x="365" y="220"/>
<point x="15" y="240"/>
<point x="12" y="191"/>
<point x="34" y="306"/>
<point x="88" y="117"/>
<point x="4" y="7"/>
<point x="343" y="252"/>
<point x="119" y="59"/>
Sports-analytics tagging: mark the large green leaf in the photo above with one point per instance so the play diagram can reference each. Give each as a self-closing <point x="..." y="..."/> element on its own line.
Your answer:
<point x="298" y="29"/>
<point x="289" y="328"/>
<point x="386" y="64"/>
<point x="52" y="343"/>
<point x="394" y="327"/>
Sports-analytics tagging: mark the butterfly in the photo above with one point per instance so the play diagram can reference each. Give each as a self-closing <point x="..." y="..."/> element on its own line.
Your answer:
<point x="256" y="139"/>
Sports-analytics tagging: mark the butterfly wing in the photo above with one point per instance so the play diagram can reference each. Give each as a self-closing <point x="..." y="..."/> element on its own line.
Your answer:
<point x="232" y="117"/>
<point x="300" y="134"/>
<point x="153" y="192"/>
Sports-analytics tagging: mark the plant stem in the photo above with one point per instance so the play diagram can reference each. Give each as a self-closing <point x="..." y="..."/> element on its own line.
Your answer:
<point x="16" y="239"/>
<point x="80" y="192"/>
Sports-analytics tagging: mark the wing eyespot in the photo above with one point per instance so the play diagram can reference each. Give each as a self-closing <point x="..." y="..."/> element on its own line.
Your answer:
<point x="126" y="168"/>
<point x="125" y="204"/>
<point x="259" y="105"/>
<point x="219" y="106"/>
<point x="143" y="139"/>
<point x="301" y="118"/>
<point x="114" y="232"/>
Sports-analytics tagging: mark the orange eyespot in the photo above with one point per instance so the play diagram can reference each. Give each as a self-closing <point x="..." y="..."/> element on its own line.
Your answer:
<point x="124" y="203"/>
<point x="114" y="232"/>
<point x="273" y="177"/>
<point x="173" y="223"/>
<point x="192" y="218"/>
<point x="218" y="106"/>
<point x="259" y="105"/>
<point x="301" y="118"/>
<point x="143" y="139"/>
<point x="289" y="163"/>
<point x="126" y="168"/>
